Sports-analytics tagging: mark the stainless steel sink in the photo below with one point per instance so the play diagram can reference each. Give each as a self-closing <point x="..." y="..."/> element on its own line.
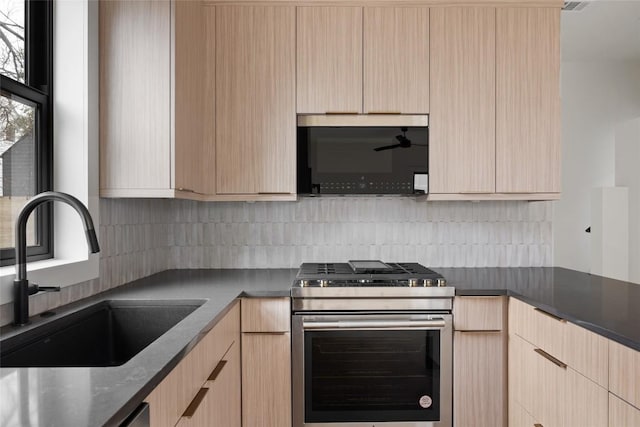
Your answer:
<point x="108" y="333"/>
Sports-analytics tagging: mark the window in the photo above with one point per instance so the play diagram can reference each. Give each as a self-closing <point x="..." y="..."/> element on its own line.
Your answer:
<point x="26" y="159"/>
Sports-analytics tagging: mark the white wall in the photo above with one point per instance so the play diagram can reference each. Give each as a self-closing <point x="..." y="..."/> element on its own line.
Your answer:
<point x="628" y="175"/>
<point x="596" y="97"/>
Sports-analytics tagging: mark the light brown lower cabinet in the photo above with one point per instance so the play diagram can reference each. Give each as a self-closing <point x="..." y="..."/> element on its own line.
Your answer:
<point x="266" y="380"/>
<point x="266" y="362"/>
<point x="518" y="417"/>
<point x="479" y="362"/>
<point x="542" y="380"/>
<point x="219" y="399"/>
<point x="622" y="414"/>
<point x="479" y="379"/>
<point x="191" y="393"/>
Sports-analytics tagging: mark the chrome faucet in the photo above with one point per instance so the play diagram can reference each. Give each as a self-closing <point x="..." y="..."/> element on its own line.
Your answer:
<point x="21" y="287"/>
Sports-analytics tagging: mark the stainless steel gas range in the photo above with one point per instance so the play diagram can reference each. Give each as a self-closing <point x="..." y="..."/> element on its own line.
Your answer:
<point x="372" y="346"/>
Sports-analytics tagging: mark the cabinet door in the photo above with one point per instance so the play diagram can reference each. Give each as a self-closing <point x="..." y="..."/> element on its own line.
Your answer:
<point x="624" y="371"/>
<point x="266" y="380"/>
<point x="479" y="379"/>
<point x="621" y="414"/>
<point x="255" y="99"/>
<point x="135" y="65"/>
<point x="586" y="402"/>
<point x="194" y="96"/>
<point x="462" y="120"/>
<point x="329" y="59"/>
<point x="527" y="100"/>
<point x="396" y="60"/>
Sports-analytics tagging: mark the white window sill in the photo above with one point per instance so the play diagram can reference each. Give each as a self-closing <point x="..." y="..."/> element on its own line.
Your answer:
<point x="50" y="272"/>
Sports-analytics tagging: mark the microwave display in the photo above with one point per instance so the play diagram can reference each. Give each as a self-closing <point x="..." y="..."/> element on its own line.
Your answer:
<point x="361" y="160"/>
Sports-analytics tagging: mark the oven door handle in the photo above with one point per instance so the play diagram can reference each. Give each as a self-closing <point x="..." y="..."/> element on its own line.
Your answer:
<point x="374" y="324"/>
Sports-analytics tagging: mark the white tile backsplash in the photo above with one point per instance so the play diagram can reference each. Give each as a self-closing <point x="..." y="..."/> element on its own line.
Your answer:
<point x="142" y="237"/>
<point x="441" y="234"/>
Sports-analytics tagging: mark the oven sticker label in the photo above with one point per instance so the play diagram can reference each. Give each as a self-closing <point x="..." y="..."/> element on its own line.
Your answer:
<point x="425" y="401"/>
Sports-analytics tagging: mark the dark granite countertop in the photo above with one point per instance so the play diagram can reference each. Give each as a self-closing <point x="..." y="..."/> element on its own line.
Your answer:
<point x="105" y="396"/>
<point x="66" y="397"/>
<point x="605" y="306"/>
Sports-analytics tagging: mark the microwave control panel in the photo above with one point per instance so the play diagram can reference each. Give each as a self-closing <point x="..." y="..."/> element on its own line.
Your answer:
<point x="363" y="187"/>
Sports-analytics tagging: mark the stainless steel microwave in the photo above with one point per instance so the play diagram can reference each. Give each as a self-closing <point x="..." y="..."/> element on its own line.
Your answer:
<point x="363" y="154"/>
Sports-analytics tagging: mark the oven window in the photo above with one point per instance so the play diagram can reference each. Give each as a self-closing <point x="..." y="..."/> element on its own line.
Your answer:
<point x="361" y="376"/>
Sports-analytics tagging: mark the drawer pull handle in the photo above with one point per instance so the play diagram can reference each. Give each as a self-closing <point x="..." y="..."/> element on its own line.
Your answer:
<point x="195" y="403"/>
<point x="384" y="112"/>
<point x="538" y="425"/>
<point x="553" y="316"/>
<point x="216" y="371"/>
<point x="550" y="358"/>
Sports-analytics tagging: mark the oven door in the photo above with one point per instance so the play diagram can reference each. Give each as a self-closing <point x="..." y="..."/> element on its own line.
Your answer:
<point x="369" y="370"/>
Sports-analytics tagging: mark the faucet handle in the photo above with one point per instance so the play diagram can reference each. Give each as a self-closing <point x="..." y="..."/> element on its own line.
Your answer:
<point x="37" y="288"/>
<point x="49" y="288"/>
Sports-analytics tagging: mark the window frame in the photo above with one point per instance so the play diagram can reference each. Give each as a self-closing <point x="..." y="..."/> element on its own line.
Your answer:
<point x="37" y="89"/>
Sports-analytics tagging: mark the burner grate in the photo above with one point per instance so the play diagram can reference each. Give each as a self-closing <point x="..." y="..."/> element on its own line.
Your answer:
<point x="333" y="270"/>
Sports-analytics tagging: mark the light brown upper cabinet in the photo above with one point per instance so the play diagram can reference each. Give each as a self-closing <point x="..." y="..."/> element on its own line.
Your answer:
<point x="462" y="142"/>
<point x="396" y="60"/>
<point x="329" y="59"/>
<point x="527" y="100"/>
<point x="495" y="103"/>
<point x="151" y="101"/>
<point x="255" y="100"/>
<point x="362" y="60"/>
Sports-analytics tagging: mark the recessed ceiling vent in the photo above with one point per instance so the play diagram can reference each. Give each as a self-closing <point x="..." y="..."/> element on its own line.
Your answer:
<point x="574" y="6"/>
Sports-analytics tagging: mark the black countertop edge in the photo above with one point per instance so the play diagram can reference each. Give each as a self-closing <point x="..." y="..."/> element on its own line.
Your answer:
<point x="136" y="399"/>
<point x="552" y="310"/>
<point x="586" y="300"/>
<point x="605" y="306"/>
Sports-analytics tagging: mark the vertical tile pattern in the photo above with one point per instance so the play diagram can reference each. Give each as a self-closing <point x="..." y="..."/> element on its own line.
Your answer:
<point x="133" y="239"/>
<point x="441" y="234"/>
<point x="142" y="237"/>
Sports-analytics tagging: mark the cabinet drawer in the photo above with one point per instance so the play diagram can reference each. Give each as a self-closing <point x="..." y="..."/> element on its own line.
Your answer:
<point x="518" y="417"/>
<point x="478" y="313"/>
<point x="537" y="383"/>
<point x="541" y="329"/>
<point x="585" y="402"/>
<point x="218" y="401"/>
<point x="624" y="372"/>
<point x="587" y="353"/>
<point x="266" y="314"/>
<point x="621" y="414"/>
<point x="169" y="400"/>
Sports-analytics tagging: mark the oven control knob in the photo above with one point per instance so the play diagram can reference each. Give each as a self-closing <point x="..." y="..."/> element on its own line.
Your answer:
<point x="413" y="282"/>
<point x="428" y="283"/>
<point x="323" y="283"/>
<point x="304" y="283"/>
<point x="442" y="282"/>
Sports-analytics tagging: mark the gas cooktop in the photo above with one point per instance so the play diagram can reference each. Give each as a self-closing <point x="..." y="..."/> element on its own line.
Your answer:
<point x="367" y="273"/>
<point x="369" y="285"/>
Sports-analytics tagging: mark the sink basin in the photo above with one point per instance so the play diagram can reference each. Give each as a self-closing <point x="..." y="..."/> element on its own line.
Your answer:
<point x="108" y="333"/>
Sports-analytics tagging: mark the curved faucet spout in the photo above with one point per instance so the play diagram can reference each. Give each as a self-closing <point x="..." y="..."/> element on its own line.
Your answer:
<point x="21" y="287"/>
<point x="23" y="216"/>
